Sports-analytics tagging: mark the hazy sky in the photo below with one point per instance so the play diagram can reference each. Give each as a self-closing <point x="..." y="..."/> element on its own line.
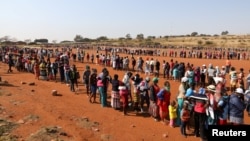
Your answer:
<point x="63" y="19"/>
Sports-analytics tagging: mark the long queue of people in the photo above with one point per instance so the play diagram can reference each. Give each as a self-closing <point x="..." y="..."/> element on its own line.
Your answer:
<point x="202" y="93"/>
<point x="208" y="104"/>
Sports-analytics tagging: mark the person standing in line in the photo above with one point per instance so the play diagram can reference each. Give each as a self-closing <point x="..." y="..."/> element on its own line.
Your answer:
<point x="248" y="81"/>
<point x="185" y="116"/>
<point x="72" y="76"/>
<point x="163" y="102"/>
<point x="153" y="90"/>
<point x="180" y="98"/>
<point x="115" y="96"/>
<point x="93" y="86"/>
<point x="123" y="91"/>
<point x="236" y="107"/>
<point x="203" y="75"/>
<point x="144" y="96"/>
<point x="101" y="90"/>
<point x="85" y="77"/>
<point x="172" y="113"/>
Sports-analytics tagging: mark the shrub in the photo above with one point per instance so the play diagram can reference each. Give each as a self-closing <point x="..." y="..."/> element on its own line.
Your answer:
<point x="209" y="43"/>
<point x="200" y="42"/>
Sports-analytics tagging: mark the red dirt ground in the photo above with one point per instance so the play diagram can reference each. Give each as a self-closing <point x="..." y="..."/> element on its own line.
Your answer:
<point x="66" y="110"/>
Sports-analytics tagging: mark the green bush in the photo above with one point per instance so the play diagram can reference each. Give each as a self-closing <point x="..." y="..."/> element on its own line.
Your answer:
<point x="209" y="43"/>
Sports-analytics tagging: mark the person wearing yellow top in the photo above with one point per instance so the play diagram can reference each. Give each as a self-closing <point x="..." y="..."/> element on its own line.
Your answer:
<point x="172" y="113"/>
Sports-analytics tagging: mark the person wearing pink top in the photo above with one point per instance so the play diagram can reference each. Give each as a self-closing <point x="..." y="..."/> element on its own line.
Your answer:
<point x="123" y="91"/>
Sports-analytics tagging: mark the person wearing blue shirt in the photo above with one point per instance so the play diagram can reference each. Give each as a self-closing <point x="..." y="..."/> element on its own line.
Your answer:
<point x="190" y="91"/>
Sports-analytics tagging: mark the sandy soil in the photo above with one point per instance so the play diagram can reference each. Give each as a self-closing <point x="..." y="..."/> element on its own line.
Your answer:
<point x="32" y="107"/>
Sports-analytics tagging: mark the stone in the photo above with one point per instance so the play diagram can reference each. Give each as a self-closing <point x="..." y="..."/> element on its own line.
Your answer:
<point x="54" y="92"/>
<point x="43" y="78"/>
<point x="20" y="121"/>
<point x="32" y="83"/>
<point x="32" y="90"/>
<point x="165" y="135"/>
<point x="95" y="129"/>
<point x="63" y="134"/>
<point x="8" y="94"/>
<point x="23" y="82"/>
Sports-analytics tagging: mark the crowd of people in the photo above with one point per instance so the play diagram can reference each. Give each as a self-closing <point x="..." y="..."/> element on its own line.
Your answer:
<point x="202" y="94"/>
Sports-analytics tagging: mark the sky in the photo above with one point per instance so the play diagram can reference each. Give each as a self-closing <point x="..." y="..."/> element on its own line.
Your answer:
<point x="64" y="19"/>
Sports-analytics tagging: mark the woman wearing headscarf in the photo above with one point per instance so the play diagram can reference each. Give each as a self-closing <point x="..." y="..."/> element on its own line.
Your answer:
<point x="163" y="101"/>
<point x="180" y="99"/>
<point x="126" y="81"/>
<point x="136" y="98"/>
<point x="153" y="107"/>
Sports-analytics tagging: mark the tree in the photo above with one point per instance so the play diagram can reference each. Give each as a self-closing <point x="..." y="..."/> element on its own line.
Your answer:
<point x="151" y="37"/>
<point x="27" y="41"/>
<point x="140" y="36"/>
<point x="128" y="37"/>
<point x="194" y="33"/>
<point x="54" y="41"/>
<point x="41" y="41"/>
<point x="224" y="33"/>
<point x="5" y="38"/>
<point x="78" y="38"/>
<point x="102" y="38"/>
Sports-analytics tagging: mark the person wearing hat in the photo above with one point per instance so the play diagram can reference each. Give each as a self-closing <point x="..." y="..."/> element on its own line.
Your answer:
<point x="236" y="107"/>
<point x="153" y="107"/>
<point x="213" y="116"/>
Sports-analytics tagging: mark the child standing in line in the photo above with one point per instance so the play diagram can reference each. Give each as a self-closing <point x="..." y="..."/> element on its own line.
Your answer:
<point x="185" y="116"/>
<point x="172" y="113"/>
